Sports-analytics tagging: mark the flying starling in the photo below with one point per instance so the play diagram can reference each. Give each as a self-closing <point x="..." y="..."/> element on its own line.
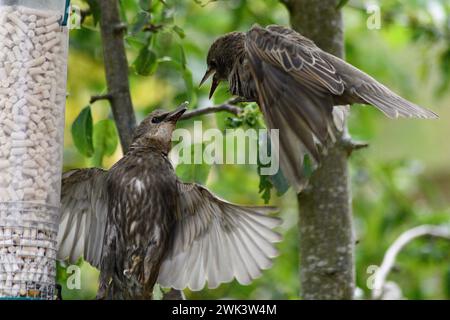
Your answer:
<point x="139" y="224"/>
<point x="296" y="85"/>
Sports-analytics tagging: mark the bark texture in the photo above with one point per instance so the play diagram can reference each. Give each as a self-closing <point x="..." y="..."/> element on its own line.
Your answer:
<point x="325" y="214"/>
<point x="116" y="68"/>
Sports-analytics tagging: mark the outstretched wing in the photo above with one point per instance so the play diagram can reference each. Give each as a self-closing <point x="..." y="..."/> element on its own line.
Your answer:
<point x="83" y="215"/>
<point x="369" y="91"/>
<point x="295" y="86"/>
<point x="291" y="73"/>
<point x="362" y="87"/>
<point x="298" y="84"/>
<point x="216" y="241"/>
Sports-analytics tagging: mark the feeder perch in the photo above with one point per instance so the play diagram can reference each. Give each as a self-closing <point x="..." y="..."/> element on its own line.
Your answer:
<point x="33" y="63"/>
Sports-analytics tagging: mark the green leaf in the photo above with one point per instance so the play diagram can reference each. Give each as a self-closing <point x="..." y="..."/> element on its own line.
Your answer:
<point x="146" y="62"/>
<point x="179" y="31"/>
<point x="279" y="182"/>
<point x="158" y="293"/>
<point x="265" y="188"/>
<point x="190" y="172"/>
<point x="341" y="4"/>
<point x="447" y="282"/>
<point x="266" y="183"/>
<point x="140" y="20"/>
<point x="222" y="119"/>
<point x="233" y="122"/>
<point x="308" y="166"/>
<point x="167" y="16"/>
<point x="82" y="132"/>
<point x="145" y="5"/>
<point x="183" y="61"/>
<point x="94" y="6"/>
<point x="445" y="72"/>
<point x="105" y="140"/>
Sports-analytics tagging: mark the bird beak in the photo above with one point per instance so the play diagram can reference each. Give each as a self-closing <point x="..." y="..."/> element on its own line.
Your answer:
<point x="215" y="80"/>
<point x="215" y="83"/>
<point x="177" y="113"/>
<point x="208" y="74"/>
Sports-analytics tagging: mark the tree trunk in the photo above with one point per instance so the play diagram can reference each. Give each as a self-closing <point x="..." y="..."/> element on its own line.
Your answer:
<point x="325" y="214"/>
<point x="116" y="68"/>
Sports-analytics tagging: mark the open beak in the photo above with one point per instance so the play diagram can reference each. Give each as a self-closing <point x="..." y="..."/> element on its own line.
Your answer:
<point x="215" y="81"/>
<point x="214" y="84"/>
<point x="177" y="113"/>
<point x="208" y="74"/>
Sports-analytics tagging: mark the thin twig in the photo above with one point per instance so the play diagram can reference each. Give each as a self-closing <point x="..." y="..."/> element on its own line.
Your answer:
<point x="99" y="97"/>
<point x="214" y="109"/>
<point x="352" y="145"/>
<point x="397" y="246"/>
<point x="357" y="145"/>
<point x="152" y="27"/>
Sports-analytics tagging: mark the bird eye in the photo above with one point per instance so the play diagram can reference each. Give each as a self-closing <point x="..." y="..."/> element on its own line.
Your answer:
<point x="156" y="120"/>
<point x="213" y="64"/>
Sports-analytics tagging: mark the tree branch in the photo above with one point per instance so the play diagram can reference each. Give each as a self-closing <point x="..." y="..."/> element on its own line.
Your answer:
<point x="214" y="109"/>
<point x="116" y="67"/>
<point x="397" y="246"/>
<point x="152" y="27"/>
<point x="351" y="145"/>
<point x="94" y="99"/>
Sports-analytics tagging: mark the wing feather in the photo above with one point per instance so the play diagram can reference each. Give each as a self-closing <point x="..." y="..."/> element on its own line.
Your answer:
<point x="216" y="241"/>
<point x="83" y="215"/>
<point x="298" y="85"/>
<point x="295" y="54"/>
<point x="355" y="81"/>
<point x="391" y="104"/>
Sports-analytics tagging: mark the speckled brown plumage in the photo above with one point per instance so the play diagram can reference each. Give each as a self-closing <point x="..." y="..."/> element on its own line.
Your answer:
<point x="296" y="85"/>
<point x="139" y="224"/>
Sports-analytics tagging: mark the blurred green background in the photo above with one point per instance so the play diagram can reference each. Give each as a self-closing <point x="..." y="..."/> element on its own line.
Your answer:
<point x="401" y="181"/>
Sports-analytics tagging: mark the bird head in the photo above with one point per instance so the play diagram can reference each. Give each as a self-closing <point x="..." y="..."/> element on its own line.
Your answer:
<point x="157" y="128"/>
<point x="222" y="56"/>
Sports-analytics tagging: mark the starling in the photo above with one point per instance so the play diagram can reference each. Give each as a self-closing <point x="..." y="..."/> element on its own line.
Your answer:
<point x="139" y="224"/>
<point x="296" y="85"/>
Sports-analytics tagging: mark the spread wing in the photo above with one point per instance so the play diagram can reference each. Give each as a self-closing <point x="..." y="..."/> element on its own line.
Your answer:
<point x="360" y="86"/>
<point x="298" y="84"/>
<point x="83" y="215"/>
<point x="295" y="86"/>
<point x="292" y="73"/>
<point x="369" y="91"/>
<point x="217" y="241"/>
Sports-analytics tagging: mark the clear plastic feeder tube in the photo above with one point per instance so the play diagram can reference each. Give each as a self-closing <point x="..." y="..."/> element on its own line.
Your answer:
<point x="33" y="63"/>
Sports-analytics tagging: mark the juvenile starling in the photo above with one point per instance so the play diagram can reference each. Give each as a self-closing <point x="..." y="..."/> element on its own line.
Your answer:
<point x="296" y="85"/>
<point x="138" y="223"/>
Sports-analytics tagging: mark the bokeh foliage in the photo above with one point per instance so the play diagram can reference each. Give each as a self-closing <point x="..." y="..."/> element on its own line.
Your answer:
<point x="401" y="181"/>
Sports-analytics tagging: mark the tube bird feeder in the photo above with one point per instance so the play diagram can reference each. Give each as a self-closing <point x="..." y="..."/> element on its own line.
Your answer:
<point x="33" y="64"/>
